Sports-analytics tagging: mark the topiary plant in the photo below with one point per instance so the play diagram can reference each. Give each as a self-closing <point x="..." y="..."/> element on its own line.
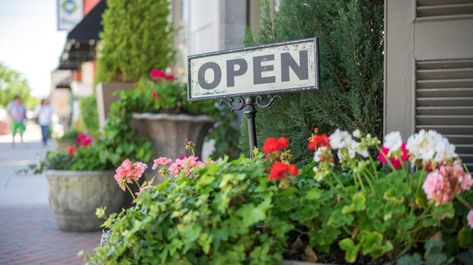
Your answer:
<point x="137" y="37"/>
<point x="350" y="34"/>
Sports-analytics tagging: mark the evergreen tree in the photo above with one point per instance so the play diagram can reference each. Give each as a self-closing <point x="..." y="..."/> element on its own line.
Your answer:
<point x="137" y="37"/>
<point x="350" y="35"/>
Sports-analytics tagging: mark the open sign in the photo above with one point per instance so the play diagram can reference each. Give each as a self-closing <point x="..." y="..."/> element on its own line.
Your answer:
<point x="266" y="69"/>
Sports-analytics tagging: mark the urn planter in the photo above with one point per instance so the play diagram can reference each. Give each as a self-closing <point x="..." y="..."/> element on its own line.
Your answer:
<point x="168" y="133"/>
<point x="75" y="195"/>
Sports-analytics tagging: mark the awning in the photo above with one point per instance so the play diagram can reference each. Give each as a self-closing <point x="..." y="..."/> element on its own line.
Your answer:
<point x="82" y="39"/>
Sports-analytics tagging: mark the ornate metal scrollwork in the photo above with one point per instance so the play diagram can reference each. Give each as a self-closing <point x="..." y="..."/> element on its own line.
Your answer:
<point x="261" y="102"/>
<point x="240" y="104"/>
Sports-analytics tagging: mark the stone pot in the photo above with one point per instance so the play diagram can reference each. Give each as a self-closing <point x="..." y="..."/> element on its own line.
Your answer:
<point x="168" y="133"/>
<point x="75" y="195"/>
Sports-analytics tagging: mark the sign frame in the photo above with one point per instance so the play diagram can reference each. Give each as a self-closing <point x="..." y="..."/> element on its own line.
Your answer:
<point x="315" y="41"/>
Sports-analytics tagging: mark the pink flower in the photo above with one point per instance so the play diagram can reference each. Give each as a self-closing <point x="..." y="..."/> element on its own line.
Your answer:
<point x="71" y="150"/>
<point x="161" y="161"/>
<point x="434" y="187"/>
<point x="187" y="163"/>
<point x="129" y="172"/>
<point x="83" y="139"/>
<point x="395" y="158"/>
<point x="465" y="180"/>
<point x="470" y="218"/>
<point x="383" y="155"/>
<point x="156" y="74"/>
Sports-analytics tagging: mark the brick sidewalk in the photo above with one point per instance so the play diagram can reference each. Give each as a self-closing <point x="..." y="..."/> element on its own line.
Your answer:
<point x="29" y="235"/>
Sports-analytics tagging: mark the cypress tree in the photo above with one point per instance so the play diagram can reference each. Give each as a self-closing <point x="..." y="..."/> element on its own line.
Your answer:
<point x="137" y="37"/>
<point x="350" y="35"/>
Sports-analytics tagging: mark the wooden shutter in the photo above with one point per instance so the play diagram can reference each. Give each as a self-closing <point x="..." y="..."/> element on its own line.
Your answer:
<point x="444" y="102"/>
<point x="444" y="8"/>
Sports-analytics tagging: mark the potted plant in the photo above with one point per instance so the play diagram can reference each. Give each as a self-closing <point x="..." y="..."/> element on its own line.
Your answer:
<point x="409" y="204"/>
<point x="79" y="182"/>
<point x="67" y="139"/>
<point x="130" y="45"/>
<point x="167" y="119"/>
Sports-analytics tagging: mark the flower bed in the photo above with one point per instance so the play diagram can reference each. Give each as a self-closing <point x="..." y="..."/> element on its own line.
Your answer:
<point x="358" y="202"/>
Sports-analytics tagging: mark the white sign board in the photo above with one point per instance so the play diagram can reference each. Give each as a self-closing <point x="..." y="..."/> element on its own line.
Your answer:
<point x="266" y="69"/>
<point x="69" y="13"/>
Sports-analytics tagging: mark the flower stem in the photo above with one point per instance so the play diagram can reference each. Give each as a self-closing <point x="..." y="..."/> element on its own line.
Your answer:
<point x="131" y="192"/>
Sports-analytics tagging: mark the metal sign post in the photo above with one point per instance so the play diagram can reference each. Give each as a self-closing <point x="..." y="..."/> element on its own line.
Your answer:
<point x="248" y="78"/>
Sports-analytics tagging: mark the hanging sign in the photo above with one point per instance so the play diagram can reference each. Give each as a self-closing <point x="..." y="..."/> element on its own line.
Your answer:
<point x="69" y="13"/>
<point x="266" y="69"/>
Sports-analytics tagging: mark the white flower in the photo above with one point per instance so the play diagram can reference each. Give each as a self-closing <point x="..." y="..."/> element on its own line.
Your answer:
<point x="319" y="153"/>
<point x="393" y="141"/>
<point x="340" y="139"/>
<point x="430" y="145"/>
<point x="444" y="150"/>
<point x="422" y="145"/>
<point x="356" y="133"/>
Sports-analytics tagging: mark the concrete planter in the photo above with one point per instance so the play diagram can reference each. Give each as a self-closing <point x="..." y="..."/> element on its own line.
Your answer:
<point x="169" y="132"/>
<point x="75" y="195"/>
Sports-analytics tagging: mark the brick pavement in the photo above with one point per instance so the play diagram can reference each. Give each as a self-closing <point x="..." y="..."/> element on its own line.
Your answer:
<point x="29" y="235"/>
<point x="28" y="231"/>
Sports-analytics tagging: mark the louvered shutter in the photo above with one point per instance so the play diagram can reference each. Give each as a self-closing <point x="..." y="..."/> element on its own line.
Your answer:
<point x="444" y="102"/>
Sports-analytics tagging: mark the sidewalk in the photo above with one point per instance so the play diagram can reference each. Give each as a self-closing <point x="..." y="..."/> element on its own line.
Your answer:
<point x="28" y="232"/>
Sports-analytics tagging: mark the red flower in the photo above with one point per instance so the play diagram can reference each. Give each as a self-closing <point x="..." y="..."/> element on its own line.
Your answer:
<point x="156" y="74"/>
<point x="280" y="169"/>
<point x="71" y="150"/>
<point x="154" y="94"/>
<point x="275" y="144"/>
<point x="83" y="139"/>
<point x="317" y="141"/>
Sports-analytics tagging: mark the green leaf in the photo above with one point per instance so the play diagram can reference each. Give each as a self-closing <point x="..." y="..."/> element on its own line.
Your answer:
<point x="465" y="237"/>
<point x="358" y="203"/>
<point x="351" y="250"/>
<point x="339" y="219"/>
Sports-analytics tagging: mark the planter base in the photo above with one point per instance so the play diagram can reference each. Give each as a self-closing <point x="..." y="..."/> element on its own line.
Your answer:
<point x="75" y="195"/>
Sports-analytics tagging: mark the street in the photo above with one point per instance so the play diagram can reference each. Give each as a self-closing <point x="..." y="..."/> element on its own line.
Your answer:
<point x="29" y="234"/>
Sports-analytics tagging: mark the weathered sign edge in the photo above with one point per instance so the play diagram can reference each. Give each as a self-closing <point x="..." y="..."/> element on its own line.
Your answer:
<point x="298" y="89"/>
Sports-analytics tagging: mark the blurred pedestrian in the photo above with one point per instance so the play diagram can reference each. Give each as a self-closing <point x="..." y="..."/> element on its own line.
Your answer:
<point x="17" y="113"/>
<point x="44" y="113"/>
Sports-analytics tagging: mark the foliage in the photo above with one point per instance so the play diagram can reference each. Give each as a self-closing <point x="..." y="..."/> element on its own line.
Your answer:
<point x="13" y="83"/>
<point x="253" y="211"/>
<point x="69" y="136"/>
<point x="118" y="139"/>
<point x="351" y="69"/>
<point x="137" y="36"/>
<point x="219" y="214"/>
<point x="89" y="117"/>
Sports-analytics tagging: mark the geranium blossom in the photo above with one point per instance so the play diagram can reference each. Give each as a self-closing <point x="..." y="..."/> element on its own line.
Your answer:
<point x="187" y="163"/>
<point x="129" y="172"/>
<point x="323" y="154"/>
<point x="161" y="161"/>
<point x="430" y="146"/>
<point x="280" y="169"/>
<point x="393" y="141"/>
<point x="395" y="158"/>
<point x="156" y="74"/>
<point x="272" y="145"/>
<point x="318" y="141"/>
<point x="83" y="139"/>
<point x="469" y="218"/>
<point x="71" y="150"/>
<point x="443" y="184"/>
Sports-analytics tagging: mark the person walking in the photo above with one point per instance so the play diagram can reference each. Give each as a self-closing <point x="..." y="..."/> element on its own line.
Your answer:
<point x="17" y="113"/>
<point x="44" y="113"/>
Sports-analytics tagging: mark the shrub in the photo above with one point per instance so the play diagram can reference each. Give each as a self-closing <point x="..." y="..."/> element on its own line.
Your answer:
<point x="136" y="38"/>
<point x="351" y="70"/>
<point x="89" y="117"/>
